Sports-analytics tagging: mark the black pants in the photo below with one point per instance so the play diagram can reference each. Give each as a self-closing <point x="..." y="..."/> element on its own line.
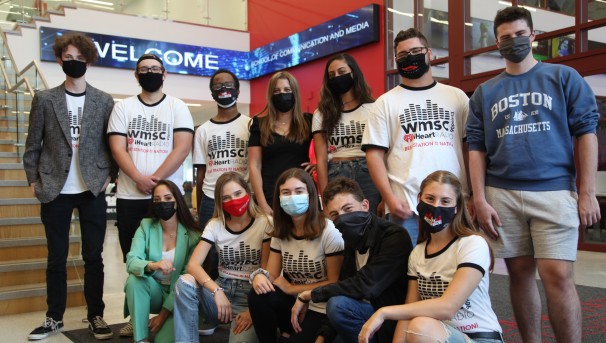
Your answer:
<point x="56" y="217"/>
<point x="128" y="217"/>
<point x="271" y="311"/>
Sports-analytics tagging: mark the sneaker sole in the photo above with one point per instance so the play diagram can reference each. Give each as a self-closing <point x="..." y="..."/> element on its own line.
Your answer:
<point x="130" y="334"/>
<point x="207" y="332"/>
<point x="103" y="336"/>
<point x="38" y="337"/>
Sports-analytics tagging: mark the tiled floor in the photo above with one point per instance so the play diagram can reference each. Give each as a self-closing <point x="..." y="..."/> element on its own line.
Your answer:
<point x="590" y="271"/>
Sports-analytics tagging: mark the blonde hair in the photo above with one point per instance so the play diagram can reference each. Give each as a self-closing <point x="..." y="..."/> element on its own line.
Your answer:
<point x="218" y="213"/>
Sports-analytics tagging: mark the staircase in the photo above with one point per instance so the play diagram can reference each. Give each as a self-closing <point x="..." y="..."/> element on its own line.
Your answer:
<point x="23" y="250"/>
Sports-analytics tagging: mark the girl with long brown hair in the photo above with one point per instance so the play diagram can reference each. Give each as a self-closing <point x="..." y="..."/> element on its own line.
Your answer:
<point x="338" y="125"/>
<point x="280" y="139"/>
<point x="306" y="252"/>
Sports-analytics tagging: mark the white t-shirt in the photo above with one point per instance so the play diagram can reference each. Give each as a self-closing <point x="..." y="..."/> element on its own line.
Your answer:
<point x="239" y="252"/>
<point x="345" y="141"/>
<point x="435" y="272"/>
<point x="158" y="275"/>
<point x="149" y="130"/>
<point x="74" y="183"/>
<point x="221" y="147"/>
<point x="421" y="130"/>
<point x="304" y="261"/>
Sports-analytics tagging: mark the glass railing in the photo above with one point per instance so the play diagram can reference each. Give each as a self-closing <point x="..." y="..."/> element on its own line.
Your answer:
<point x="230" y="14"/>
<point x="17" y="89"/>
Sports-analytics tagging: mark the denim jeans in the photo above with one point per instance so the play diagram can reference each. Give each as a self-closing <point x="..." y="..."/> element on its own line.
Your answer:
<point x="189" y="298"/>
<point x="347" y="316"/>
<point x="357" y="170"/>
<point x="410" y="224"/>
<point x="56" y="216"/>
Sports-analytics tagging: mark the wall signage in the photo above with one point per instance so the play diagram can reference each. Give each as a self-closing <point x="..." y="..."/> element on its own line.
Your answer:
<point x="351" y="30"/>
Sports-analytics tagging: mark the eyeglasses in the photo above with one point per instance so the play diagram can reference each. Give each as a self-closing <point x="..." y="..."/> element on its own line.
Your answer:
<point x="154" y="69"/>
<point x="413" y="51"/>
<point x="218" y="86"/>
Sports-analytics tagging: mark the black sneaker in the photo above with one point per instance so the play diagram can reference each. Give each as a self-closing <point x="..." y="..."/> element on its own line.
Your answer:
<point x="49" y="327"/>
<point x="99" y="328"/>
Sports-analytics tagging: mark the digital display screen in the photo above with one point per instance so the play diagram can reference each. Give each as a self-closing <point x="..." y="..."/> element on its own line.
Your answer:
<point x="123" y="52"/>
<point x="345" y="32"/>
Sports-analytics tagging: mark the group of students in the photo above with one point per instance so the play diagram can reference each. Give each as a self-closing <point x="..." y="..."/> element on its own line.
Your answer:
<point x="302" y="276"/>
<point x="282" y="265"/>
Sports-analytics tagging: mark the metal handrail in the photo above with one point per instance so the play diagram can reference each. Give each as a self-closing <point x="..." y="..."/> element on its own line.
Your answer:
<point x="28" y="85"/>
<point x="34" y="64"/>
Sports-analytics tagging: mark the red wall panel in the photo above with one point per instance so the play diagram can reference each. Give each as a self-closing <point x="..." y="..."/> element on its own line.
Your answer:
<point x="270" y="20"/>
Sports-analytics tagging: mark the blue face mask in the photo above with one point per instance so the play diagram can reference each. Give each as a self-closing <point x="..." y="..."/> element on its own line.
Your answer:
<point x="295" y="205"/>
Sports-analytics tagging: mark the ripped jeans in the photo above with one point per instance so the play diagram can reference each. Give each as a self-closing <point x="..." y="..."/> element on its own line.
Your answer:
<point x="190" y="297"/>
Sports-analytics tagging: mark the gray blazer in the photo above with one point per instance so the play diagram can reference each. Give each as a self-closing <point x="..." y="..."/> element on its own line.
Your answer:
<point x="48" y="150"/>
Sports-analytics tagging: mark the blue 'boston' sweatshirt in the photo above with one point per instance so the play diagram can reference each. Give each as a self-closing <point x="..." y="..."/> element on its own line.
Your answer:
<point x="525" y="124"/>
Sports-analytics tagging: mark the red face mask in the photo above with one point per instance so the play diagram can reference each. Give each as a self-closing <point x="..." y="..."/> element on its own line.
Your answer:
<point x="237" y="207"/>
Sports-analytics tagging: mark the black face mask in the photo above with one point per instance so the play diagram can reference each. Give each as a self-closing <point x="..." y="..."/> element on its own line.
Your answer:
<point x="412" y="66"/>
<point x="164" y="210"/>
<point x="151" y="82"/>
<point x="515" y="49"/>
<point x="283" y="102"/>
<point x="74" y="69"/>
<point x="225" y="97"/>
<point x="435" y="219"/>
<point x="341" y="84"/>
<point x="353" y="227"/>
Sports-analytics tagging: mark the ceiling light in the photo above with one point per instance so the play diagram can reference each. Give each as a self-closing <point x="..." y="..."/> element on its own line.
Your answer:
<point x="97" y="2"/>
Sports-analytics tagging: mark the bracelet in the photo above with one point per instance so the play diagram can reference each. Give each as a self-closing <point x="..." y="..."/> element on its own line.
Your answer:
<point x="301" y="299"/>
<point x="257" y="272"/>
<point x="216" y="290"/>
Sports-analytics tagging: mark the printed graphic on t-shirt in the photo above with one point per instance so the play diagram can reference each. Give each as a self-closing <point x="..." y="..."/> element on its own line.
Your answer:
<point x="432" y="125"/>
<point x="153" y="136"/>
<point x="75" y="121"/>
<point x="345" y="136"/>
<point x="521" y="113"/>
<point x="301" y="269"/>
<point x="242" y="259"/>
<point x="228" y="151"/>
<point x="434" y="287"/>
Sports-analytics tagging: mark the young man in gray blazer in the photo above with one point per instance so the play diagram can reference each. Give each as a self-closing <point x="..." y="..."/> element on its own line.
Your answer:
<point x="68" y="165"/>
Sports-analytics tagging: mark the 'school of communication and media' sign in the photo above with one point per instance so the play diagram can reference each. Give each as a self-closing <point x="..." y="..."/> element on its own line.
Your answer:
<point x="345" y="32"/>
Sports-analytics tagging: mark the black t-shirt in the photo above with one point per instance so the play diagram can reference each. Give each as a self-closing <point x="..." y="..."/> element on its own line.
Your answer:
<point x="279" y="156"/>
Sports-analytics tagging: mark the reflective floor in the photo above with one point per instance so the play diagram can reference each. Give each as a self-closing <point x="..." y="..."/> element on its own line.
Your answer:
<point x="589" y="271"/>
